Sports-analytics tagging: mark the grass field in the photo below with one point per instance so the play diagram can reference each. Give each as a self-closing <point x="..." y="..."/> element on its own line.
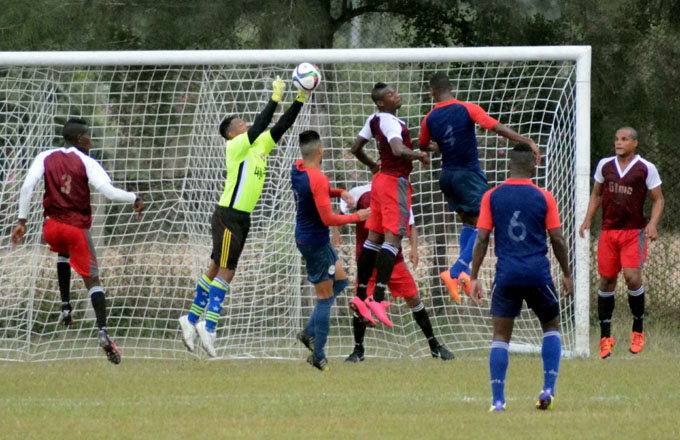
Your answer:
<point x="626" y="396"/>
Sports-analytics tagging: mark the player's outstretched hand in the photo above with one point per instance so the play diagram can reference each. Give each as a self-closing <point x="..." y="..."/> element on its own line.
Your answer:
<point x="18" y="234"/>
<point x="537" y="152"/>
<point x="364" y="214"/>
<point x="567" y="285"/>
<point x="584" y="227"/>
<point x="476" y="292"/>
<point x="651" y="232"/>
<point x="303" y="95"/>
<point x="424" y="158"/>
<point x="347" y="197"/>
<point x="138" y="206"/>
<point x="278" y="87"/>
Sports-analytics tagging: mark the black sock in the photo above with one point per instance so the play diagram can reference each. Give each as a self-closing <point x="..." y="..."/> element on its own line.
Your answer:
<point x="365" y="266"/>
<point x="636" y="301"/>
<point x="384" y="265"/>
<point x="64" y="278"/>
<point x="359" y="329"/>
<point x="605" y="308"/>
<point x="423" y="320"/>
<point x="99" y="305"/>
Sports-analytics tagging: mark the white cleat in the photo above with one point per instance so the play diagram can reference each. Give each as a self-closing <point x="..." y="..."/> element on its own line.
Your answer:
<point x="207" y="339"/>
<point x="188" y="333"/>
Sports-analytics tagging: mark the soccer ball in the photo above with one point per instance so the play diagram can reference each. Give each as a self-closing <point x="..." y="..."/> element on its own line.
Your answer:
<point x="306" y="76"/>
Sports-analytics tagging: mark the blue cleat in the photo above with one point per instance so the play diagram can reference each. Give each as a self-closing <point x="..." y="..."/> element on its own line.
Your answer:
<point x="497" y="406"/>
<point x="545" y="400"/>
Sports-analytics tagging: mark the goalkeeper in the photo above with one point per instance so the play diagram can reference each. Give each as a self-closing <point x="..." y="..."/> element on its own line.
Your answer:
<point x="247" y="149"/>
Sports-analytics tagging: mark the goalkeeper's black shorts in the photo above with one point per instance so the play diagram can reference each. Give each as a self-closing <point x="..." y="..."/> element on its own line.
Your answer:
<point x="229" y="231"/>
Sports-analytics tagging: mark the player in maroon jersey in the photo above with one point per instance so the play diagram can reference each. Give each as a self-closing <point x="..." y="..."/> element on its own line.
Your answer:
<point x="390" y="198"/>
<point x="621" y="185"/>
<point x="68" y="172"/>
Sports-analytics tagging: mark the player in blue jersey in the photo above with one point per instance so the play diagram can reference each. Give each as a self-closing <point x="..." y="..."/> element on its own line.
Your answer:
<point x="451" y="125"/>
<point x="312" y="235"/>
<point x="519" y="213"/>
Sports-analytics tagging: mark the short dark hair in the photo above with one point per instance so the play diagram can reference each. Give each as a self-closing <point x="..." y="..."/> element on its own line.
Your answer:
<point x="633" y="132"/>
<point x="522" y="155"/>
<point x="309" y="141"/>
<point x="440" y="82"/>
<point x="377" y="92"/>
<point x="224" y="126"/>
<point x="74" y="128"/>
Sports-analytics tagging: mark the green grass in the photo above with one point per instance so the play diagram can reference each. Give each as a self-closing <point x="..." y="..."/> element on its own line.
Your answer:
<point x="624" y="397"/>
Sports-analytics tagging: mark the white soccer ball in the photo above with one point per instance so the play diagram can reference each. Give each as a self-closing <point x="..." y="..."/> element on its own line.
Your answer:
<point x="306" y="76"/>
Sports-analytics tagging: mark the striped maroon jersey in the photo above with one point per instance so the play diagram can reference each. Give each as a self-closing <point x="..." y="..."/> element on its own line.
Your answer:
<point x="624" y="191"/>
<point x="383" y="127"/>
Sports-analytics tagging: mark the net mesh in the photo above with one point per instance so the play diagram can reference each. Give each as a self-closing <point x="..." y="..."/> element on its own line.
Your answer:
<point x="154" y="129"/>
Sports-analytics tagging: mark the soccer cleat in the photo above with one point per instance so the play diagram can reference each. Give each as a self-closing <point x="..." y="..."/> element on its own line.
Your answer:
<point x="545" y="400"/>
<point x="360" y="307"/>
<point x="307" y="340"/>
<point x="497" y="406"/>
<point x="320" y="364"/>
<point x="188" y="333"/>
<point x="451" y="284"/>
<point x="112" y="352"/>
<point x="379" y="309"/>
<point x="207" y="339"/>
<point x="606" y="345"/>
<point x="464" y="282"/>
<point x="65" y="317"/>
<point x="442" y="352"/>
<point x="637" y="342"/>
<point x="357" y="355"/>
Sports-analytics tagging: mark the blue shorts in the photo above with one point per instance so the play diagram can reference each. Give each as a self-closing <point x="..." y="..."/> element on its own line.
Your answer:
<point x="506" y="301"/>
<point x="320" y="262"/>
<point x="463" y="189"/>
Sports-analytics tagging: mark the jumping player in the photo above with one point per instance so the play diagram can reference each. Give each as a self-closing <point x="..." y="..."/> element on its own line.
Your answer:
<point x="621" y="185"/>
<point x="519" y="213"/>
<point x="68" y="172"/>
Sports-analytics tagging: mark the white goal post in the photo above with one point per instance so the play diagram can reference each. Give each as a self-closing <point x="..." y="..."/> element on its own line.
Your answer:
<point x="154" y="118"/>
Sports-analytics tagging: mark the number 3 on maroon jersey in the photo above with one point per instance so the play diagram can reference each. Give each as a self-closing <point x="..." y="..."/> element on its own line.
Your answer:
<point x="66" y="184"/>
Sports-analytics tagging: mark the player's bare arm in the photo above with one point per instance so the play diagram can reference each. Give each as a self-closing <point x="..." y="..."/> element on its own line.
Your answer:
<point x="657" y="210"/>
<point x="478" y="254"/>
<point x="593" y="205"/>
<point x="413" y="241"/>
<point x="511" y="134"/>
<point x="401" y="150"/>
<point x="358" y="152"/>
<point x="559" y="245"/>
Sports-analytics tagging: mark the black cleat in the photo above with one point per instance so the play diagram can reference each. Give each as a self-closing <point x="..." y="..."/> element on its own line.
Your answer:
<point x="112" y="352"/>
<point x="307" y="340"/>
<point x="357" y="355"/>
<point x="320" y="364"/>
<point x="442" y="352"/>
<point x="65" y="317"/>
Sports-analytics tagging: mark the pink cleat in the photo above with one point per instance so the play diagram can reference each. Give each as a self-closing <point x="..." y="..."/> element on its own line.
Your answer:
<point x="380" y="310"/>
<point x="357" y="305"/>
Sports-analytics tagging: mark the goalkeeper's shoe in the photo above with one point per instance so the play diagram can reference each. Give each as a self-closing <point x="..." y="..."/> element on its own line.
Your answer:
<point x="545" y="400"/>
<point x="207" y="339"/>
<point x="637" y="342"/>
<point x="320" y="364"/>
<point x="66" y="317"/>
<point x="358" y="306"/>
<point x="307" y="340"/>
<point x="188" y="333"/>
<point x="303" y="95"/>
<point x="112" y="352"/>
<point x="442" y="352"/>
<point x="379" y="309"/>
<point x="278" y="87"/>
<point x="451" y="284"/>
<point x="357" y="355"/>
<point x="606" y="345"/>
<point x="464" y="282"/>
<point x="497" y="406"/>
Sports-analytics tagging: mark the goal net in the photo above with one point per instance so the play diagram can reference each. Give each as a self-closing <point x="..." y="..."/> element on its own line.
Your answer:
<point x="154" y="119"/>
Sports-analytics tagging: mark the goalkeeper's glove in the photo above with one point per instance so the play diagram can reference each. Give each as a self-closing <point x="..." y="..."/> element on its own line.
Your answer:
<point x="278" y="86"/>
<point x="303" y="95"/>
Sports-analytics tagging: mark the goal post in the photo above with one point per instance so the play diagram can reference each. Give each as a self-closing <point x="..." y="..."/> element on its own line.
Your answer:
<point x="154" y="118"/>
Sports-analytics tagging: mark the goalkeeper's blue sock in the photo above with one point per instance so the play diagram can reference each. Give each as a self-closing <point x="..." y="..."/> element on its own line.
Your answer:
<point x="467" y="243"/>
<point x="218" y="290"/>
<point x="201" y="299"/>
<point x="551" y="351"/>
<point x="322" y="325"/>
<point x="498" y="366"/>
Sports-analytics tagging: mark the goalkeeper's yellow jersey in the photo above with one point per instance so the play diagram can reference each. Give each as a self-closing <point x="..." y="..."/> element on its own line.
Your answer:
<point x="246" y="168"/>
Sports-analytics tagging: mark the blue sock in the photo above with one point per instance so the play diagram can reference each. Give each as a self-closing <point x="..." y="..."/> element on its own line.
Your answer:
<point x="201" y="299"/>
<point x="218" y="290"/>
<point x="462" y="264"/>
<point x="338" y="287"/>
<point x="551" y="351"/>
<point x="309" y="328"/>
<point x="498" y="365"/>
<point x="322" y="325"/>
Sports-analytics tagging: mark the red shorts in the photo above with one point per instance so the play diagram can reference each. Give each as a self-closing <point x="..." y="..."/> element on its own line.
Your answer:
<point x="401" y="284"/>
<point x="67" y="239"/>
<point x="390" y="205"/>
<point x="621" y="248"/>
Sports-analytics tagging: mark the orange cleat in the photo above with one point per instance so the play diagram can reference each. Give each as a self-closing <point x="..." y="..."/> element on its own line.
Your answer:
<point x="606" y="345"/>
<point x="464" y="282"/>
<point x="637" y="342"/>
<point x="451" y="284"/>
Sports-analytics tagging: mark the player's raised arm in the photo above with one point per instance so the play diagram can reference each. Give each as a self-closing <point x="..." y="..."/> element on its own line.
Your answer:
<point x="511" y="134"/>
<point x="265" y="117"/>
